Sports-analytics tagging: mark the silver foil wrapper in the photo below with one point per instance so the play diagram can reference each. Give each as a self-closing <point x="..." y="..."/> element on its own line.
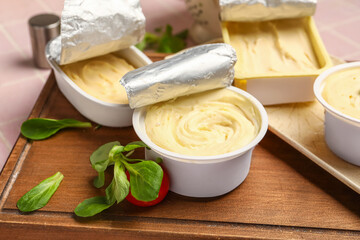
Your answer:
<point x="263" y="10"/>
<point x="197" y="69"/>
<point x="91" y="28"/>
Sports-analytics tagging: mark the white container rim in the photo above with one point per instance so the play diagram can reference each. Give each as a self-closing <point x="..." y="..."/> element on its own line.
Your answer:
<point x="319" y="86"/>
<point x="205" y="159"/>
<point x="78" y="89"/>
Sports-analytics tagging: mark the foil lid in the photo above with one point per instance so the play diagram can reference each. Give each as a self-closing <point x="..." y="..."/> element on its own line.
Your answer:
<point x="91" y="28"/>
<point x="263" y="10"/>
<point x="197" y="69"/>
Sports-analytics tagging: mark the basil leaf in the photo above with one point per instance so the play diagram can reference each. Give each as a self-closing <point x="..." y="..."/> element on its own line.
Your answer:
<point x="145" y="180"/>
<point x="91" y="206"/>
<point x="119" y="187"/>
<point x="100" y="161"/>
<point x="41" y="128"/>
<point x="133" y="145"/>
<point x="40" y="195"/>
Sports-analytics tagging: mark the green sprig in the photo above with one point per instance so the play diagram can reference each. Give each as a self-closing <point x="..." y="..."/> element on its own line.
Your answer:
<point x="145" y="177"/>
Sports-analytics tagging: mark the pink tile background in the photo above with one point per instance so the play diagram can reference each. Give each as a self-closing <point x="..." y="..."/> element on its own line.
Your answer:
<point x="20" y="82"/>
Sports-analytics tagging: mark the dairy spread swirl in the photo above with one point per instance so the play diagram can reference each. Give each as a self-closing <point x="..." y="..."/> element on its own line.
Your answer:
<point x="203" y="124"/>
<point x="100" y="77"/>
<point x="278" y="46"/>
<point x="342" y="91"/>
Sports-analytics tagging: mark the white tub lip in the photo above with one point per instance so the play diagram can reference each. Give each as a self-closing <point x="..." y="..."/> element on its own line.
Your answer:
<point x="206" y="159"/>
<point x="319" y="85"/>
<point x="56" y="67"/>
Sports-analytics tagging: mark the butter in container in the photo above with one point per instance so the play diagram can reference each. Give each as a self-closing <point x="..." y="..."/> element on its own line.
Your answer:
<point x="338" y="90"/>
<point x="204" y="129"/>
<point x="278" y="57"/>
<point x="94" y="50"/>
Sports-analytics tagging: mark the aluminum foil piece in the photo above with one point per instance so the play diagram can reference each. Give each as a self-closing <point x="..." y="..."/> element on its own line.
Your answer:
<point x="263" y="10"/>
<point x="194" y="70"/>
<point x="91" y="28"/>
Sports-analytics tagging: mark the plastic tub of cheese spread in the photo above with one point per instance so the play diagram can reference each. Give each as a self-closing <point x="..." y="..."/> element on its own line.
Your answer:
<point x="278" y="60"/>
<point x="102" y="112"/>
<point x="221" y="164"/>
<point x="338" y="90"/>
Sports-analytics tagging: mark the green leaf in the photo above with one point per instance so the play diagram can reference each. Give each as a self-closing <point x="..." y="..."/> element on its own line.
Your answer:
<point x="166" y="43"/>
<point x="99" y="181"/>
<point x="41" y="128"/>
<point x="91" y="206"/>
<point x="119" y="186"/>
<point x="100" y="157"/>
<point x="40" y="195"/>
<point x="115" y="152"/>
<point x="170" y="43"/>
<point x="133" y="145"/>
<point x="148" y="41"/>
<point x="145" y="180"/>
<point x="100" y="161"/>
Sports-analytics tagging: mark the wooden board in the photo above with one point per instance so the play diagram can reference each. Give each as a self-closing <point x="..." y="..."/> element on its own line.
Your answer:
<point x="302" y="126"/>
<point x="285" y="196"/>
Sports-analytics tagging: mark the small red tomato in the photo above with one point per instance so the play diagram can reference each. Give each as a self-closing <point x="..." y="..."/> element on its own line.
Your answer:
<point x="164" y="188"/>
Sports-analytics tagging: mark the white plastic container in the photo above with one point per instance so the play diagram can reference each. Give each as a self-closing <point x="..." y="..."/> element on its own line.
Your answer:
<point x="342" y="132"/>
<point x="280" y="88"/>
<point x="204" y="176"/>
<point x="104" y="113"/>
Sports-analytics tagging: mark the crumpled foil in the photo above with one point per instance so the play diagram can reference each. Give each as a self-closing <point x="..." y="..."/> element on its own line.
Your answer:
<point x="263" y="10"/>
<point x="197" y="69"/>
<point x="91" y="28"/>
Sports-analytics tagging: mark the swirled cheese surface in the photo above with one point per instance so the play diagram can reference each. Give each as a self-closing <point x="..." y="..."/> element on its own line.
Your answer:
<point x="100" y="77"/>
<point x="278" y="46"/>
<point x="209" y="123"/>
<point x="342" y="91"/>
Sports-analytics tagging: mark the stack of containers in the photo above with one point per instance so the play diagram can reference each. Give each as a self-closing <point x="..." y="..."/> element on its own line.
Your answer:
<point x="279" y="50"/>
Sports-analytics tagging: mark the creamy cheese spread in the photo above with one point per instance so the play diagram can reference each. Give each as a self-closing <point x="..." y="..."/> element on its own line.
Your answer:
<point x="342" y="91"/>
<point x="100" y="77"/>
<point x="279" y="46"/>
<point x="203" y="124"/>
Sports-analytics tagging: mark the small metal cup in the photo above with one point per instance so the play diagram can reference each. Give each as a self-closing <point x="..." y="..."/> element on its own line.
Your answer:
<point x="43" y="28"/>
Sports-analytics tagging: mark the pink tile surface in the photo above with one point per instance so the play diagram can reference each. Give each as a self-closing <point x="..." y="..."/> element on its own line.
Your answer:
<point x="15" y="67"/>
<point x="333" y="12"/>
<point x="17" y="99"/>
<point x="55" y="6"/>
<point x="336" y="45"/>
<point x="350" y="29"/>
<point x="11" y="130"/>
<point x="19" y="10"/>
<point x="19" y="33"/>
<point x="20" y="82"/>
<point x="5" y="44"/>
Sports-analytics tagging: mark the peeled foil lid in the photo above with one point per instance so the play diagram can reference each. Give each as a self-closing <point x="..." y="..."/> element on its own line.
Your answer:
<point x="90" y="28"/>
<point x="263" y="10"/>
<point x="197" y="69"/>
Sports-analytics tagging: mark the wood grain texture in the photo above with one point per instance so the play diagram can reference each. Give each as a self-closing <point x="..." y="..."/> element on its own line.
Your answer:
<point x="285" y="196"/>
